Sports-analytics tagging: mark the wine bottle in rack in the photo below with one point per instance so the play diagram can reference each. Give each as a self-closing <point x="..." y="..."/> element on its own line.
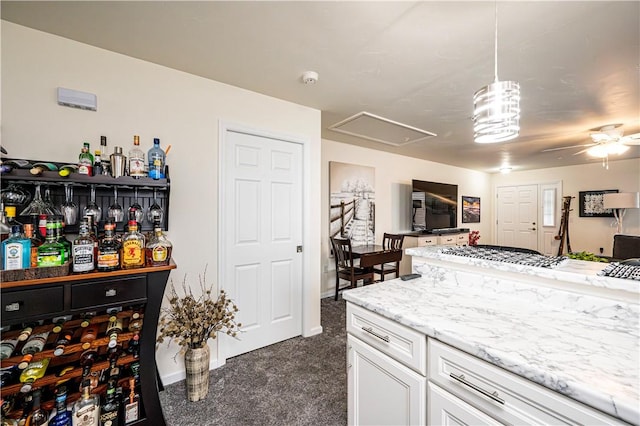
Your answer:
<point x="64" y="338"/>
<point x="31" y="373"/>
<point x="132" y="404"/>
<point x="134" y="345"/>
<point x="37" y="417"/>
<point x="87" y="358"/>
<point x="27" y="329"/>
<point x="59" y="323"/>
<point x="61" y="416"/>
<point x="89" y="334"/>
<point x="114" y="328"/>
<point x="34" y="345"/>
<point x="27" y="405"/>
<point x="7" y="347"/>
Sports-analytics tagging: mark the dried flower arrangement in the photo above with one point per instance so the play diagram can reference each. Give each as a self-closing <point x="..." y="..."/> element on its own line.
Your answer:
<point x="190" y="321"/>
<point x="474" y="236"/>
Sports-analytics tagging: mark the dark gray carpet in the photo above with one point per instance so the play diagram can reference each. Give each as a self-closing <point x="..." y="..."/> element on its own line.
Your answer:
<point x="301" y="381"/>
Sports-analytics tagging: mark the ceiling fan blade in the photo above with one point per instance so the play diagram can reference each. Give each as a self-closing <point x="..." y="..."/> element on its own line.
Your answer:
<point x="583" y="150"/>
<point x="569" y="147"/>
<point x="633" y="139"/>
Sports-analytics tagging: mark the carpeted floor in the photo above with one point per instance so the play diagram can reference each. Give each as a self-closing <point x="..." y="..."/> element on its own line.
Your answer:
<point x="301" y="381"/>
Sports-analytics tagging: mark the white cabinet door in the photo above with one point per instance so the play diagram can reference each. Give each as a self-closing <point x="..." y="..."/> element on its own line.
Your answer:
<point x="381" y="391"/>
<point x="446" y="409"/>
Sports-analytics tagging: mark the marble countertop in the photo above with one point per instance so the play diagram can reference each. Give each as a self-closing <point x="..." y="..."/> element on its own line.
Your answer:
<point x="582" y="346"/>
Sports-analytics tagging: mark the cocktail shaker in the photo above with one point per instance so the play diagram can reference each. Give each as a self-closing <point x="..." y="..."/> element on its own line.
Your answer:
<point x="118" y="162"/>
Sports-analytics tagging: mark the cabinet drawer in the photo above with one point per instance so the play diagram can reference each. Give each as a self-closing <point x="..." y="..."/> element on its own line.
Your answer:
<point x="427" y="241"/>
<point x="446" y="409"/>
<point x="447" y="240"/>
<point x="515" y="401"/>
<point x="108" y="292"/>
<point x="33" y="302"/>
<point x="396" y="340"/>
<point x="462" y="239"/>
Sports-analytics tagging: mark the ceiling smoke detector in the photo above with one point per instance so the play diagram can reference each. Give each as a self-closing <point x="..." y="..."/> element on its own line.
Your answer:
<point x="310" y="77"/>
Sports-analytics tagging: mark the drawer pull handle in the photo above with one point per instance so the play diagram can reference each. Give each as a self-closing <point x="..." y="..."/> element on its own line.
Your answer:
<point x="488" y="394"/>
<point x="12" y="307"/>
<point x="111" y="292"/>
<point x="379" y="336"/>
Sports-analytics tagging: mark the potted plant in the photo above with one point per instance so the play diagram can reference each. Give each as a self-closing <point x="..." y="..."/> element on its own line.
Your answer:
<point x="190" y="321"/>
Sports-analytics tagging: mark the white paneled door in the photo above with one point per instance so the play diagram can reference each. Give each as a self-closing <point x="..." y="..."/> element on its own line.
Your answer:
<point x="261" y="235"/>
<point x="517" y="216"/>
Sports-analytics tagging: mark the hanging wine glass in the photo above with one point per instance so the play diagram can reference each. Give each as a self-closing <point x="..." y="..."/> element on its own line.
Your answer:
<point x="15" y="195"/>
<point x="68" y="208"/>
<point x="49" y="202"/>
<point x="155" y="212"/>
<point x="136" y="208"/>
<point x="37" y="206"/>
<point x="115" y="209"/>
<point x="92" y="208"/>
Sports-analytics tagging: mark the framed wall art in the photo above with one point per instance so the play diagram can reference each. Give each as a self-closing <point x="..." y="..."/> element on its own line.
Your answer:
<point x="470" y="209"/>
<point x="591" y="203"/>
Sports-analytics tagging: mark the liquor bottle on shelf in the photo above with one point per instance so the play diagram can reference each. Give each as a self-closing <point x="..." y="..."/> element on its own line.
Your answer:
<point x="33" y="372"/>
<point x="114" y="371"/>
<point x="132" y="254"/>
<point x="61" y="416"/>
<point x="83" y="250"/>
<point x="89" y="334"/>
<point x="59" y="227"/>
<point x="59" y="322"/>
<point x="37" y="417"/>
<point x="156" y="158"/>
<point x="86" y="410"/>
<point x="158" y="250"/>
<point x="135" y="323"/>
<point x="134" y="345"/>
<point x="136" y="159"/>
<point x="97" y="163"/>
<point x="64" y="338"/>
<point x="10" y="214"/>
<point x="27" y="329"/>
<point x="131" y="404"/>
<point x="110" y="407"/>
<point x="85" y="160"/>
<point x="108" y="249"/>
<point x="8" y="375"/>
<point x="103" y="149"/>
<point x="34" y="345"/>
<point x="35" y="243"/>
<point x="27" y="406"/>
<point x="7" y="347"/>
<point x="87" y="359"/>
<point x="114" y="328"/>
<point x="51" y="253"/>
<point x="16" y="250"/>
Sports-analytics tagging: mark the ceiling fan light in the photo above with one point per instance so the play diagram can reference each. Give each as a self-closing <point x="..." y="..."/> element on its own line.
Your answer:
<point x="598" y="151"/>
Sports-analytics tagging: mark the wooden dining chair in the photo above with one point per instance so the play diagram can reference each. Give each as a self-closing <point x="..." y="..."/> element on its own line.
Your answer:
<point x="346" y="269"/>
<point x="392" y="242"/>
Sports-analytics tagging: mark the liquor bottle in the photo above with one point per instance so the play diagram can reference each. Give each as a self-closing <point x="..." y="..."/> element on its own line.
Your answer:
<point x="132" y="404"/>
<point x="156" y="160"/>
<point x="134" y="345"/>
<point x="7" y="347"/>
<point x="40" y="227"/>
<point x="108" y="249"/>
<point x="64" y="338"/>
<point x="59" y="227"/>
<point x="110" y="407"/>
<point x="51" y="253"/>
<point x="34" y="371"/>
<point x="38" y="416"/>
<point x="136" y="159"/>
<point x="132" y="255"/>
<point x="103" y="149"/>
<point x="86" y="410"/>
<point x="135" y="323"/>
<point x="27" y="329"/>
<point x="8" y="375"/>
<point x="93" y="234"/>
<point x="35" y="243"/>
<point x="27" y="406"/>
<point x="114" y="328"/>
<point x="83" y="250"/>
<point x="158" y="251"/>
<point x="88" y="335"/>
<point x="87" y="359"/>
<point x="61" y="416"/>
<point x="85" y="161"/>
<point x="16" y="250"/>
<point x="113" y="354"/>
<point x="97" y="163"/>
<point x="58" y="323"/>
<point x="34" y="345"/>
<point x="10" y="214"/>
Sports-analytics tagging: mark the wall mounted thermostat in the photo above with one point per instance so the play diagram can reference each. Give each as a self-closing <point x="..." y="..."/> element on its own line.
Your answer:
<point x="76" y="99"/>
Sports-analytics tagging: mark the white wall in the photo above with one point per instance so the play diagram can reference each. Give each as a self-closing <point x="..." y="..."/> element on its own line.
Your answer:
<point x="393" y="175"/>
<point x="587" y="233"/>
<point x="138" y="97"/>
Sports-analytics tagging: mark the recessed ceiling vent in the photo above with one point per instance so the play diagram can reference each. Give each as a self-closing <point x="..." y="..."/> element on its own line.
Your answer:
<point x="380" y="129"/>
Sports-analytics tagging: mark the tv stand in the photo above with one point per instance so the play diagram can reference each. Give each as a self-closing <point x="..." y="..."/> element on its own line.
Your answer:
<point x="435" y="237"/>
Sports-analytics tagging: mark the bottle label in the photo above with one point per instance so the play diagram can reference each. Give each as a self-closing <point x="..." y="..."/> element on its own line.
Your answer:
<point x="85" y="169"/>
<point x="50" y="257"/>
<point x="159" y="254"/>
<point x="108" y="259"/>
<point x="132" y="252"/>
<point x="83" y="257"/>
<point x="13" y="256"/>
<point x="136" y="167"/>
<point x="87" y="416"/>
<point x="131" y="412"/>
<point x="109" y="418"/>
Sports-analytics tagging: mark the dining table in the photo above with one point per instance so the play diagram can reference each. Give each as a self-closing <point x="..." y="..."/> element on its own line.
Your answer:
<point x="375" y="254"/>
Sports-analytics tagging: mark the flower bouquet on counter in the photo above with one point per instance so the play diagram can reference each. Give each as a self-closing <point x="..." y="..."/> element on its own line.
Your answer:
<point x="474" y="236"/>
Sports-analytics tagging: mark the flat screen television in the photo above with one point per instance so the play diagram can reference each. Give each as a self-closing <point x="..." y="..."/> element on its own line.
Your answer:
<point x="434" y="206"/>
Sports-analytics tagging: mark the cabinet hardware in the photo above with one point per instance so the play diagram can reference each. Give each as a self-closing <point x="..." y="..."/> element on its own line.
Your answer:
<point x="379" y="336"/>
<point x="477" y="388"/>
<point x="111" y="292"/>
<point x="12" y="307"/>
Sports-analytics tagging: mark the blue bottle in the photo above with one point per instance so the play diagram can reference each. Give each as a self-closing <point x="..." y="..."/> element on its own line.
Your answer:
<point x="156" y="159"/>
<point x="16" y="250"/>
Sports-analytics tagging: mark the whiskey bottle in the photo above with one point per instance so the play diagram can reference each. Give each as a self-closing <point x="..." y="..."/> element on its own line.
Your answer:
<point x="38" y="416"/>
<point x="51" y="253"/>
<point x="158" y="251"/>
<point x="110" y="407"/>
<point x="83" y="250"/>
<point x="136" y="159"/>
<point x="108" y="249"/>
<point x="86" y="410"/>
<point x="132" y="255"/>
<point x="34" y="345"/>
<point x="114" y="328"/>
<point x="132" y="404"/>
<point x="61" y="416"/>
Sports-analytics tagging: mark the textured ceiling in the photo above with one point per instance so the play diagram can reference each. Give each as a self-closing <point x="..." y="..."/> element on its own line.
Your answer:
<point x="417" y="63"/>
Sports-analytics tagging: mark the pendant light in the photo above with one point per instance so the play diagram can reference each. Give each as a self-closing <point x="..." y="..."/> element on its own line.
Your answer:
<point x="496" y="107"/>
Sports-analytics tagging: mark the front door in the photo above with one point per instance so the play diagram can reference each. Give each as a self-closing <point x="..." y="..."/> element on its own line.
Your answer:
<point x="261" y="230"/>
<point x="517" y="216"/>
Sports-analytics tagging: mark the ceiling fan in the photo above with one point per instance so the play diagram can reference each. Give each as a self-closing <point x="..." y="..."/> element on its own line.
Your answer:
<point x="607" y="140"/>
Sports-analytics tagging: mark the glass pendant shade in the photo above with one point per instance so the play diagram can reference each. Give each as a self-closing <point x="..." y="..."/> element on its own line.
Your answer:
<point x="496" y="112"/>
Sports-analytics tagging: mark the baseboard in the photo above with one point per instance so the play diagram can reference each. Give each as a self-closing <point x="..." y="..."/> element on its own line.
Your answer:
<point x="181" y="375"/>
<point x="313" y="331"/>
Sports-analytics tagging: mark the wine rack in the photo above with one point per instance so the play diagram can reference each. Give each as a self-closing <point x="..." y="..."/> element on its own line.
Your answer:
<point x="95" y="297"/>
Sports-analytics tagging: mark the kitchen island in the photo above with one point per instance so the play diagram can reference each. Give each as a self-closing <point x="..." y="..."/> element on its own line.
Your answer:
<point x="564" y="341"/>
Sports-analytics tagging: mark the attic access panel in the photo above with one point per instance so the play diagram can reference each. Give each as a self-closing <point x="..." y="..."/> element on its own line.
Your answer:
<point x="379" y="129"/>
